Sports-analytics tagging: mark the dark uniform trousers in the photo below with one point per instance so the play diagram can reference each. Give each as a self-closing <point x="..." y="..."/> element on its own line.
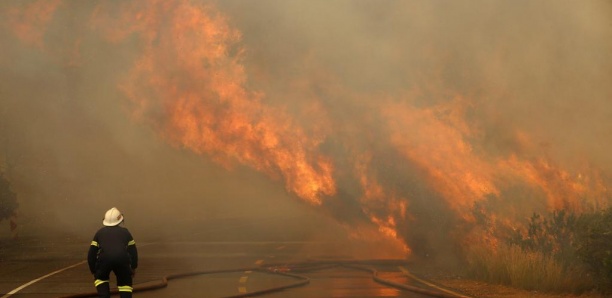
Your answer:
<point x="123" y="272"/>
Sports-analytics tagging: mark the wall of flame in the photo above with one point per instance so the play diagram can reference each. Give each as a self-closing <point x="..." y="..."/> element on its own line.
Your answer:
<point x="397" y="119"/>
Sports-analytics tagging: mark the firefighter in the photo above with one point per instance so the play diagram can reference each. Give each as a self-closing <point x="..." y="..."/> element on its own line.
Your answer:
<point x="113" y="249"/>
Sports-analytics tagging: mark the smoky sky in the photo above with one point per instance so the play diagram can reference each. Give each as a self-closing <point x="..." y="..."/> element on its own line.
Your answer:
<point x="540" y="66"/>
<point x="540" y="69"/>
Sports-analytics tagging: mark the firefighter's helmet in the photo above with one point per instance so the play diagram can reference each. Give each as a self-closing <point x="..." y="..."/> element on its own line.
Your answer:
<point x="112" y="217"/>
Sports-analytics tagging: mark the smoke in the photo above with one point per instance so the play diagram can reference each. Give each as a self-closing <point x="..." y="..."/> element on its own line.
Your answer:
<point x="391" y="117"/>
<point x="481" y="85"/>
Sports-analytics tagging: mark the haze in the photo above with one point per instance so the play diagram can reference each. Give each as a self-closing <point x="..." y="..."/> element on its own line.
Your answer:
<point x="390" y="93"/>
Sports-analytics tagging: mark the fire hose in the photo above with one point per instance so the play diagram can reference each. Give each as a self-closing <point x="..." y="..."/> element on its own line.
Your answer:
<point x="283" y="269"/>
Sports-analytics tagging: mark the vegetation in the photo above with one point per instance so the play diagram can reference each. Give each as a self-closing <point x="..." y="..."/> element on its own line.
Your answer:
<point x="561" y="252"/>
<point x="511" y="265"/>
<point x="8" y="199"/>
<point x="594" y="246"/>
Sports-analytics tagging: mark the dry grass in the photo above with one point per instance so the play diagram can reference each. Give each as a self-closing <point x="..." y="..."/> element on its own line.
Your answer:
<point x="510" y="265"/>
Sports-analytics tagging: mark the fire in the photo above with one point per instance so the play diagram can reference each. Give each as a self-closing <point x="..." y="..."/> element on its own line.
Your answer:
<point x="190" y="83"/>
<point x="384" y="209"/>
<point x="193" y="84"/>
<point x="30" y="22"/>
<point x="563" y="189"/>
<point x="440" y="148"/>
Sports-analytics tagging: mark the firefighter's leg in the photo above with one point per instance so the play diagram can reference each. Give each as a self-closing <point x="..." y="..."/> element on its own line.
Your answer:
<point x="103" y="288"/>
<point x="124" y="280"/>
<point x="102" y="279"/>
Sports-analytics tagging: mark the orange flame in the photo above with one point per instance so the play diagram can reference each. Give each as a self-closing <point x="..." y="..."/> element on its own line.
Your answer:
<point x="429" y="138"/>
<point x="563" y="189"/>
<point x="190" y="84"/>
<point x="438" y="142"/>
<point x="188" y="78"/>
<point x="383" y="209"/>
<point x="30" y="23"/>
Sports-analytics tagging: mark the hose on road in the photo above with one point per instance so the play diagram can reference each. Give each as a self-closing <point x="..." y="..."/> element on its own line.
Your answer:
<point x="284" y="269"/>
<point x="164" y="282"/>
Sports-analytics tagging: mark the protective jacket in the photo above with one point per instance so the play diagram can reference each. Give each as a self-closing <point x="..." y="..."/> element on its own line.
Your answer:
<point x="114" y="244"/>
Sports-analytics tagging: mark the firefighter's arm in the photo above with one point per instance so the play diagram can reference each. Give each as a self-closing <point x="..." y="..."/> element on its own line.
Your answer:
<point x="92" y="256"/>
<point x="133" y="251"/>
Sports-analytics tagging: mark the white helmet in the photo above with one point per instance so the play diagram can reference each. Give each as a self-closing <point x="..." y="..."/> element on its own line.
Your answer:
<point x="112" y="217"/>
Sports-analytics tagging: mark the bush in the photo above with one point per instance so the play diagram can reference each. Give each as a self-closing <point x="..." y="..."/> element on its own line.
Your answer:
<point x="512" y="265"/>
<point x="8" y="199"/>
<point x="552" y="236"/>
<point x="561" y="252"/>
<point x="594" y="246"/>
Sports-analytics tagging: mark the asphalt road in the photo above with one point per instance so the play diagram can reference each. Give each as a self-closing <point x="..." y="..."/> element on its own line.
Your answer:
<point x="55" y="267"/>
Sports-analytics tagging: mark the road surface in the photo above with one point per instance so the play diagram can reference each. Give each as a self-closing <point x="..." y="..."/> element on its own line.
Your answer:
<point x="41" y="267"/>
